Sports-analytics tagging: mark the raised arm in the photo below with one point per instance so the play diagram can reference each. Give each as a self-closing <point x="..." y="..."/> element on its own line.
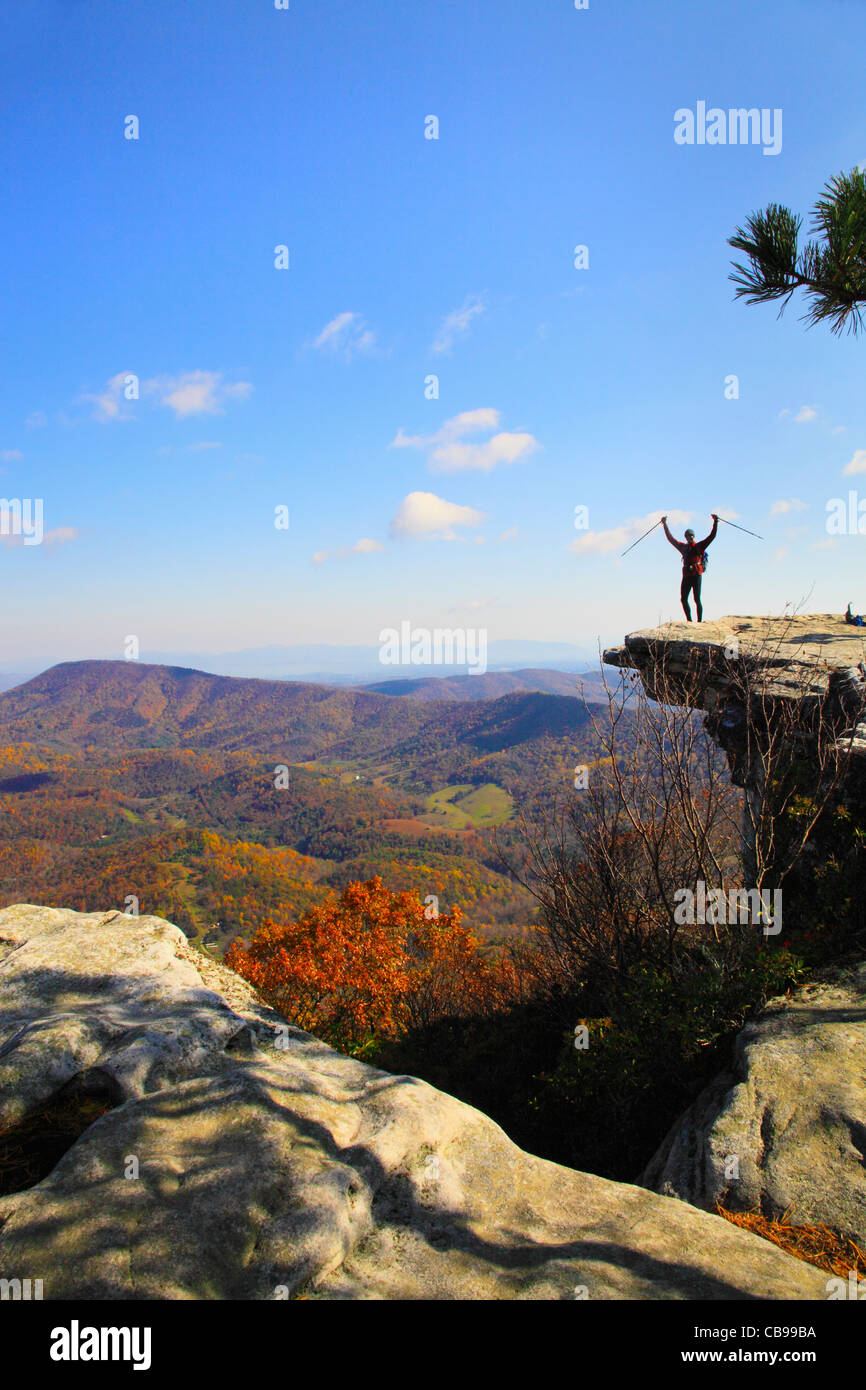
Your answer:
<point x="712" y="536"/>
<point x="677" y="545"/>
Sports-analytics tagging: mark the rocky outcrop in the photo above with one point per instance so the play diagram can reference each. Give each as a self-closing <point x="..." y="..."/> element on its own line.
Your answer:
<point x="240" y="1158"/>
<point x="789" y="657"/>
<point x="746" y="671"/>
<point x="785" y="699"/>
<point x="785" y="1130"/>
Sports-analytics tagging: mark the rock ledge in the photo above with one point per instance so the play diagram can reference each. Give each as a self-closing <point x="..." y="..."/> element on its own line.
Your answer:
<point x="243" y="1159"/>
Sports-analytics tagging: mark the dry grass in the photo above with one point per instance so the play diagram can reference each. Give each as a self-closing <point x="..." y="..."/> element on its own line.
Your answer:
<point x="817" y="1245"/>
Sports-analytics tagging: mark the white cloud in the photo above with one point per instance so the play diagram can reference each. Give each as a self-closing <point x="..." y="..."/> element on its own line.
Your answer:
<point x="828" y="543"/>
<point x="857" y="464"/>
<point x="111" y="403"/>
<point x="448" y="451"/>
<point x="805" y="414"/>
<point x="11" y="455"/>
<point x="467" y="422"/>
<point x="202" y="445"/>
<point x="346" y="334"/>
<point x="60" y="535"/>
<point x="196" y="393"/>
<point x="509" y="535"/>
<point x="456" y="324"/>
<point x="502" y="448"/>
<point x="365" y="546"/>
<point x="333" y="331"/>
<point x="37" y="419"/>
<point x="785" y="505"/>
<point x="423" y="514"/>
<point x="618" y="537"/>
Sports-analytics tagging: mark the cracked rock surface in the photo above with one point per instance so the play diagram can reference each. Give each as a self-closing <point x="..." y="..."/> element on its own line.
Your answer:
<point x="244" y="1159"/>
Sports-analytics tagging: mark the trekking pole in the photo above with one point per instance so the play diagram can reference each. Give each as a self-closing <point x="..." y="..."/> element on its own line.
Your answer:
<point x="639" y="539"/>
<point x="741" y="528"/>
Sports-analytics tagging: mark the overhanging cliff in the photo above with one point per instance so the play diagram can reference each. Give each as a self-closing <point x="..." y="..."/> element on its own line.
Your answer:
<point x="750" y="673"/>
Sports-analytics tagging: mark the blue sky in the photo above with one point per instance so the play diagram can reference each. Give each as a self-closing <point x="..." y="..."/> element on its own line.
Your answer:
<point x="262" y="387"/>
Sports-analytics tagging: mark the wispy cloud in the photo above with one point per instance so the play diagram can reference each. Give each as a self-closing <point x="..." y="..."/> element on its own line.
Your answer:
<point x="509" y="535"/>
<point x="196" y="393"/>
<point x="457" y="323"/>
<point x="37" y="420"/>
<point x="426" y="516"/>
<point x="346" y="334"/>
<point x="804" y="415"/>
<point x="448" y="450"/>
<point x="111" y="403"/>
<point x="618" y="537"/>
<point x="60" y="536"/>
<point x="11" y="455"/>
<point x="202" y="445"/>
<point x="857" y="463"/>
<point x="785" y="505"/>
<point x="365" y="546"/>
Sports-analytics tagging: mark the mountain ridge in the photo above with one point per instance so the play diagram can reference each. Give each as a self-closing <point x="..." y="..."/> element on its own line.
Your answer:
<point x="121" y="705"/>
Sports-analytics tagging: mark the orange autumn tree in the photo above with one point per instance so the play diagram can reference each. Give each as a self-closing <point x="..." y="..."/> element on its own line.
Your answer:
<point x="369" y="964"/>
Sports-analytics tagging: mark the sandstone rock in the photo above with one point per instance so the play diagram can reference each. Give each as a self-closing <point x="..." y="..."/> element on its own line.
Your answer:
<point x="792" y="1112"/>
<point x="765" y="683"/>
<point x="244" y="1159"/>
<point x="788" y="658"/>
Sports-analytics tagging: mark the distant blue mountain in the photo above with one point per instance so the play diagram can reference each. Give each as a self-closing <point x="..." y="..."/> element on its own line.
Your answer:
<point x="345" y="665"/>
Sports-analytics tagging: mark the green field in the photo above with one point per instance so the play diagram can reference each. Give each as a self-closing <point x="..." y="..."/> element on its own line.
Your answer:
<point x="462" y="806"/>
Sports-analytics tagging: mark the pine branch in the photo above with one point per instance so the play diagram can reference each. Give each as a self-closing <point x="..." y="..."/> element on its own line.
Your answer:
<point x="831" y="269"/>
<point x="769" y="239"/>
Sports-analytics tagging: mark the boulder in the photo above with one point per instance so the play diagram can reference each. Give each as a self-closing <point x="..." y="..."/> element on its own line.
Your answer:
<point x="240" y="1158"/>
<point x="785" y="1129"/>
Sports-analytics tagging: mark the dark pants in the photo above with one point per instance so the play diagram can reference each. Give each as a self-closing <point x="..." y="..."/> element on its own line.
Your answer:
<point x="691" y="584"/>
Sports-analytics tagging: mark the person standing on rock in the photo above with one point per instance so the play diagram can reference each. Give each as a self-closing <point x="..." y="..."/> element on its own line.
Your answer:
<point x="694" y="564"/>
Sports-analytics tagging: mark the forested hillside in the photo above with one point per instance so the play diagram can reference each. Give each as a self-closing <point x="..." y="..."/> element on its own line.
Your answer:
<point x="217" y="802"/>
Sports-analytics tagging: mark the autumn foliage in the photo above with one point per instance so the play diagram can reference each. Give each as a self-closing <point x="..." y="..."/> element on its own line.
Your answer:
<point x="370" y="964"/>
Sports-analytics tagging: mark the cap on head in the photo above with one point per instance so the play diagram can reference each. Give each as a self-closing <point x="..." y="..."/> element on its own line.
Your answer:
<point x="691" y="533"/>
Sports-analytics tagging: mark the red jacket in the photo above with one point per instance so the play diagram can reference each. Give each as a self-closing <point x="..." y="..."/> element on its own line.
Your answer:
<point x="693" y="555"/>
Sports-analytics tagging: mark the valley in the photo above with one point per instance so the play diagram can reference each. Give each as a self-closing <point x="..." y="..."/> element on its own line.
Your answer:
<point x="159" y="786"/>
